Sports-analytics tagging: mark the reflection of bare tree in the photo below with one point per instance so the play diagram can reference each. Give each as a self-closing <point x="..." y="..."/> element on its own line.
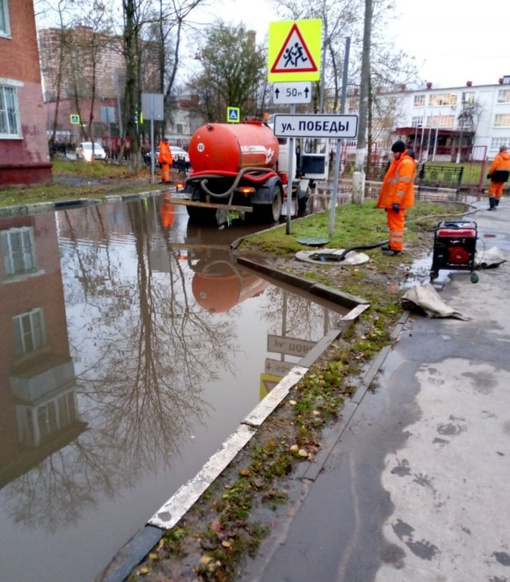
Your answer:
<point x="144" y="351"/>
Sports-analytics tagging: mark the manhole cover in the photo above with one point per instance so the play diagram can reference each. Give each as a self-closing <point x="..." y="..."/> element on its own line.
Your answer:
<point x="312" y="241"/>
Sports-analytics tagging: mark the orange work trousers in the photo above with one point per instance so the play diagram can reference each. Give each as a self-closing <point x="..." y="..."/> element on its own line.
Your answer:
<point x="396" y="226"/>
<point x="165" y="172"/>
<point x="496" y="189"/>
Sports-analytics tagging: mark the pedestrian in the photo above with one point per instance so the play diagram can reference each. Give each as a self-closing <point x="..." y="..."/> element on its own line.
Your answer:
<point x="397" y="195"/>
<point x="498" y="175"/>
<point x="165" y="160"/>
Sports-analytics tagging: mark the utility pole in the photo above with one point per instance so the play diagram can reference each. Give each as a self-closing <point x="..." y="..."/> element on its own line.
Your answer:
<point x="358" y="178"/>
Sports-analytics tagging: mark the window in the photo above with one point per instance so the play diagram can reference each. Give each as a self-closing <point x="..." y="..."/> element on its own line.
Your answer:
<point x="504" y="96"/>
<point x="29" y="333"/>
<point x="497" y="142"/>
<point x="443" y="99"/>
<point x="9" y="111"/>
<point x="447" y="121"/>
<point x="180" y="128"/>
<point x="417" y="122"/>
<point x="419" y="101"/>
<point x="4" y="19"/>
<point x="502" y="120"/>
<point x="468" y="97"/>
<point x="18" y="250"/>
<point x="39" y="423"/>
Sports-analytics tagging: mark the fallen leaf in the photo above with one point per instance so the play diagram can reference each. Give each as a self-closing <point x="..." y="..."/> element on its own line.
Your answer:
<point x="216" y="525"/>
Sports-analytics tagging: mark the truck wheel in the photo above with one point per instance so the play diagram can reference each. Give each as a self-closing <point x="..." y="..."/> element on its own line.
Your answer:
<point x="270" y="212"/>
<point x="199" y="215"/>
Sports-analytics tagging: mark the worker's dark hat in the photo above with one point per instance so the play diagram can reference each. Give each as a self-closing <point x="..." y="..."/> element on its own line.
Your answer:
<point x="398" y="146"/>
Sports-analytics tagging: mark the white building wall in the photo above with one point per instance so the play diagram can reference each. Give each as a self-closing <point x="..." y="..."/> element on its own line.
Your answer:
<point x="488" y="137"/>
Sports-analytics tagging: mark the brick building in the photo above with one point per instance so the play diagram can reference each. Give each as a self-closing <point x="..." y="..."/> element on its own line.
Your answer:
<point x="24" y="156"/>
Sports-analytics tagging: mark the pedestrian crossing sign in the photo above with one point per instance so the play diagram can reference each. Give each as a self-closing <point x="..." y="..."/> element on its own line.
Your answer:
<point x="74" y="119"/>
<point x="233" y="114"/>
<point x="295" y="50"/>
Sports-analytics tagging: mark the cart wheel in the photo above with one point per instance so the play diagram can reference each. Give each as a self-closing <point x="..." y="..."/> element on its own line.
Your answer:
<point x="474" y="278"/>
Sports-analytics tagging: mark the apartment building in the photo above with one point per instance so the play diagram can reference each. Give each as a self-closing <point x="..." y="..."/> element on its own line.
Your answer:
<point x="24" y="156"/>
<point x="443" y="124"/>
<point x="84" y="79"/>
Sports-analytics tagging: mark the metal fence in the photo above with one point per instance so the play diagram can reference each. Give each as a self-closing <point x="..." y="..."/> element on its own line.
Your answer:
<point x="428" y="175"/>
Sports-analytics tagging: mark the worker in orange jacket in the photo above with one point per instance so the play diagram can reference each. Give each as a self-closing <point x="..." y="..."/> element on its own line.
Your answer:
<point x="499" y="173"/>
<point x="397" y="195"/>
<point x="165" y="159"/>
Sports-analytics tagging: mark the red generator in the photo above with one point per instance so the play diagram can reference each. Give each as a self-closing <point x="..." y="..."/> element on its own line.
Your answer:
<point x="454" y="248"/>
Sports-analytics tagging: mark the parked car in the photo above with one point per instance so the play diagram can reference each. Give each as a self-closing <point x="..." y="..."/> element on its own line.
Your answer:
<point x="84" y="151"/>
<point x="178" y="155"/>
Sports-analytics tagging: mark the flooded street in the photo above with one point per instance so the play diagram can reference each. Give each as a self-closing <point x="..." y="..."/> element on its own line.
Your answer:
<point x="132" y="346"/>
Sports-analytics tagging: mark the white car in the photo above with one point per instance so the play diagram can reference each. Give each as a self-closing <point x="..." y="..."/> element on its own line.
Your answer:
<point x="84" y="151"/>
<point x="179" y="153"/>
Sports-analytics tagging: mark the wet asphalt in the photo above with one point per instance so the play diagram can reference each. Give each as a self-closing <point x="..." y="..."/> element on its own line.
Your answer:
<point x="413" y="482"/>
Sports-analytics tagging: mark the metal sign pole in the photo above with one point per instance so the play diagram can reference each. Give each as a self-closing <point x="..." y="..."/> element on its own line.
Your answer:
<point x="336" y="177"/>
<point x="290" y="177"/>
<point x="153" y="151"/>
<point x="109" y="131"/>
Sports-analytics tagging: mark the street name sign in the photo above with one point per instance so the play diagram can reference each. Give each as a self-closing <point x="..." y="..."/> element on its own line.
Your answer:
<point x="288" y="345"/>
<point x="299" y="92"/>
<point x="316" y="125"/>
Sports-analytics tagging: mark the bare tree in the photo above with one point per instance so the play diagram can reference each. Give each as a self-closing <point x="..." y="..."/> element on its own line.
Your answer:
<point x="232" y="70"/>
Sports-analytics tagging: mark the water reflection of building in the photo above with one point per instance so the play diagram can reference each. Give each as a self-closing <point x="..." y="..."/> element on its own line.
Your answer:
<point x="38" y="407"/>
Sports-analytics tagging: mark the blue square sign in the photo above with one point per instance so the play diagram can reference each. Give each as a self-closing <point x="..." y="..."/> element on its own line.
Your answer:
<point x="233" y="114"/>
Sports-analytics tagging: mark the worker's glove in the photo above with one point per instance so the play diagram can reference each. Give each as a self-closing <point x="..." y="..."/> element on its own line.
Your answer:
<point x="396" y="208"/>
<point x="489" y="176"/>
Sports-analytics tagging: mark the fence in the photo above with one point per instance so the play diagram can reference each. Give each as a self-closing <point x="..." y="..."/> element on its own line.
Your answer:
<point x="428" y="175"/>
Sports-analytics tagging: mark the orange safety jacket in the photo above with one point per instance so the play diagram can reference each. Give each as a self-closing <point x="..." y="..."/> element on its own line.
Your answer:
<point x="398" y="184"/>
<point x="500" y="168"/>
<point x="165" y="153"/>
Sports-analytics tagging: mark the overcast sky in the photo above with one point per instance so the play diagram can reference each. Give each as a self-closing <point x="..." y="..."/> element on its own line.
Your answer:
<point x="453" y="41"/>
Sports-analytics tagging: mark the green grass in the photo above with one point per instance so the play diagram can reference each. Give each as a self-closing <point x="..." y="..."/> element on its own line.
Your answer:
<point x="355" y="225"/>
<point x="84" y="180"/>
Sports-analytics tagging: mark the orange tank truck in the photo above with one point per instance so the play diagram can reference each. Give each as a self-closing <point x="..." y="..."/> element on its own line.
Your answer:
<point x="235" y="167"/>
<point x="220" y="286"/>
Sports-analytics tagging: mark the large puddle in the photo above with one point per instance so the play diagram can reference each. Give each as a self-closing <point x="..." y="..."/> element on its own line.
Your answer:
<point x="132" y="347"/>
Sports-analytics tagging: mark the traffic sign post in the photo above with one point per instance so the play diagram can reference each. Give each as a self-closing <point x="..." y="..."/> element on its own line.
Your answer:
<point x="153" y="107"/>
<point x="294" y="56"/>
<point x="292" y="93"/>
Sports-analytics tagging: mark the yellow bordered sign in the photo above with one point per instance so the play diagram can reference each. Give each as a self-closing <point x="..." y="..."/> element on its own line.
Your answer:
<point x="233" y="114"/>
<point x="295" y="48"/>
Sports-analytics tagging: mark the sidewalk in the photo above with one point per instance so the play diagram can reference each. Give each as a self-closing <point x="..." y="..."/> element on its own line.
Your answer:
<point x="414" y="483"/>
